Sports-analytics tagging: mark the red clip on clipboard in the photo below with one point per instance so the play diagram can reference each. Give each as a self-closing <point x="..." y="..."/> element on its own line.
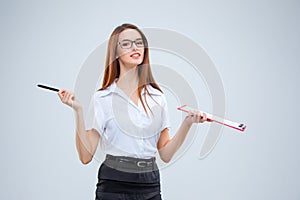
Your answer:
<point x="212" y="118"/>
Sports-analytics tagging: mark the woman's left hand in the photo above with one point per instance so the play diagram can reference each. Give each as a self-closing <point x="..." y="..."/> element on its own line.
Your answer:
<point x="195" y="117"/>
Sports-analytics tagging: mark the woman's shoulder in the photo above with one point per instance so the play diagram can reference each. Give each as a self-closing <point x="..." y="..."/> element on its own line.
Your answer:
<point x="154" y="91"/>
<point x="104" y="92"/>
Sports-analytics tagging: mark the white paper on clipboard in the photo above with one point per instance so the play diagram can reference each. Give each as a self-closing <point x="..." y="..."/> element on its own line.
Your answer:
<point x="212" y="118"/>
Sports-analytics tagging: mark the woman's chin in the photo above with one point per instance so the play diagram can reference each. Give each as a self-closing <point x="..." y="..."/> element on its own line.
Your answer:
<point x="135" y="63"/>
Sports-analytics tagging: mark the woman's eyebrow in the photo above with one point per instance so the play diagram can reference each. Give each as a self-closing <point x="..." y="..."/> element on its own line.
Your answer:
<point x="131" y="40"/>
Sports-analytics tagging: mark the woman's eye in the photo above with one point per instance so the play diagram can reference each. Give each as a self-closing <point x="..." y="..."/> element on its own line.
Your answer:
<point x="125" y="44"/>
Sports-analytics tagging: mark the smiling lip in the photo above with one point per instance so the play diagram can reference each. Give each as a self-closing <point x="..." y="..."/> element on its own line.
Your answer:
<point x="135" y="55"/>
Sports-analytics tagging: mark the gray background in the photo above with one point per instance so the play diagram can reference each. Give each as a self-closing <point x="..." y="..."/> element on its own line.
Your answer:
<point x="254" y="45"/>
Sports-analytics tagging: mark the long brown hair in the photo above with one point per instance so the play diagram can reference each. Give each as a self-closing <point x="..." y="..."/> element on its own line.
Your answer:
<point x="112" y="66"/>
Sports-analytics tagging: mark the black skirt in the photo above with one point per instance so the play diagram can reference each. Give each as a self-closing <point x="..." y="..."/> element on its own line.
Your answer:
<point x="126" y="178"/>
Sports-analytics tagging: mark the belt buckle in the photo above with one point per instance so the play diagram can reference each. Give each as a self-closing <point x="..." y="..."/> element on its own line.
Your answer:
<point x="141" y="163"/>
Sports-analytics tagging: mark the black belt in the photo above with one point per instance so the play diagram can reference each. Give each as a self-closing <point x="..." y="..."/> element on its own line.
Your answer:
<point x="130" y="164"/>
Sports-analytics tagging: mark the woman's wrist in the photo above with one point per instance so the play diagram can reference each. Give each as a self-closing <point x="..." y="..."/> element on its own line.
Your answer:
<point x="78" y="109"/>
<point x="187" y="122"/>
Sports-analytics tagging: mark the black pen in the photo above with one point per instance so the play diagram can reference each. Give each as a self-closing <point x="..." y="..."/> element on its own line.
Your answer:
<point x="48" y="88"/>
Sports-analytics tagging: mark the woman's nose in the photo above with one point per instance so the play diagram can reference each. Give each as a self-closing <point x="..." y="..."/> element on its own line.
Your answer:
<point x="134" y="47"/>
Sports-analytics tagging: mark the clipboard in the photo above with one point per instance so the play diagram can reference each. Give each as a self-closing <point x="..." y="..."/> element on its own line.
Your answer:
<point x="211" y="118"/>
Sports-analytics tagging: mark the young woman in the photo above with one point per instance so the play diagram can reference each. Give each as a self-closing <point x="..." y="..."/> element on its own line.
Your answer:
<point x="130" y="121"/>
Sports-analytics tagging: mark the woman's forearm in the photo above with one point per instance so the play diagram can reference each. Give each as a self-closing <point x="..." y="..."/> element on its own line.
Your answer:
<point x="168" y="151"/>
<point x="84" y="145"/>
<point x="169" y="148"/>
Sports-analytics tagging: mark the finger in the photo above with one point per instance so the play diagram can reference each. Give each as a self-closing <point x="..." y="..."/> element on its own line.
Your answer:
<point x="60" y="93"/>
<point x="68" y="97"/>
<point x="63" y="96"/>
<point x="204" y="117"/>
<point x="194" y="116"/>
<point x="201" y="118"/>
<point x="190" y="113"/>
<point x="195" y="112"/>
<point x="198" y="117"/>
<point x="72" y="97"/>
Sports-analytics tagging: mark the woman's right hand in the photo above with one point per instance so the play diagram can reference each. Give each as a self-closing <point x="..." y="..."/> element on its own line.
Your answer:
<point x="69" y="99"/>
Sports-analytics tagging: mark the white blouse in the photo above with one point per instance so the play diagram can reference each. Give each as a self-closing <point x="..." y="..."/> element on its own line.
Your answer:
<point x="124" y="127"/>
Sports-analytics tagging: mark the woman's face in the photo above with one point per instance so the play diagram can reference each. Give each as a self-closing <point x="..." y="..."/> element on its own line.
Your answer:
<point x="130" y="53"/>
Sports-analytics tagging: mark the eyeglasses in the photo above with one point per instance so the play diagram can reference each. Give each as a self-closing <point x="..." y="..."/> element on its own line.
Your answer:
<point x="127" y="44"/>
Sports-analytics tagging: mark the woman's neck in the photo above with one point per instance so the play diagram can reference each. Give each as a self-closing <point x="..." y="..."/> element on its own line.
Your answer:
<point x="128" y="79"/>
